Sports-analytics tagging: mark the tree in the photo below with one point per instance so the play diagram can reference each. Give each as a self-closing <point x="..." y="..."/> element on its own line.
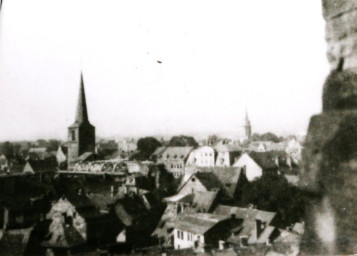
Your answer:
<point x="7" y="149"/>
<point x="212" y="139"/>
<point x="146" y="146"/>
<point x="53" y="145"/>
<point x="272" y="192"/>
<point x="266" y="137"/>
<point x="183" y="141"/>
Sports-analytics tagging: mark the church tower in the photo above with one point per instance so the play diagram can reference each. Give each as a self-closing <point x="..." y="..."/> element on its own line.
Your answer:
<point x="81" y="134"/>
<point x="247" y="127"/>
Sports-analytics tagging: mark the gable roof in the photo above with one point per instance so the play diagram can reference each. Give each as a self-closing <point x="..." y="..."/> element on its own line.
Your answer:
<point x="198" y="201"/>
<point x="209" y="180"/>
<point x="227" y="148"/>
<point x="245" y="213"/>
<point x="69" y="238"/>
<point x="63" y="148"/>
<point x="84" y="206"/>
<point x="266" y="160"/>
<point x="198" y="223"/>
<point x="39" y="166"/>
<point x="174" y="153"/>
<point x="158" y="151"/>
<point x="227" y="176"/>
<point x="14" y="243"/>
<point x="85" y="156"/>
<point x="249" y="217"/>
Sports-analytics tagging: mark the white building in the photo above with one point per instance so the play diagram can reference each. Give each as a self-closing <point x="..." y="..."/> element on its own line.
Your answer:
<point x="255" y="163"/>
<point x="227" y="154"/>
<point x="252" y="169"/>
<point x="202" y="157"/>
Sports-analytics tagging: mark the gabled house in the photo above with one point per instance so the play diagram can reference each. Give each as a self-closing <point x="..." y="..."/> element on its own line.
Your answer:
<point x="229" y="179"/>
<point x="78" y="215"/>
<point x="204" y="156"/>
<point x="39" y="167"/>
<point x="61" y="155"/>
<point x="227" y="154"/>
<point x="201" y="182"/>
<point x="257" y="163"/>
<point x="202" y="231"/>
<point x="174" y="158"/>
<point x="257" y="226"/>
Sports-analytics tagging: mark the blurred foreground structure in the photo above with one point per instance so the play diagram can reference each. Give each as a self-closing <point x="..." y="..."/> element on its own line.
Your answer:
<point x="329" y="172"/>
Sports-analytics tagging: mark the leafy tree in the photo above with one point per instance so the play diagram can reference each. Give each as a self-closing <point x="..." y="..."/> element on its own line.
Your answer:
<point x="7" y="149"/>
<point x="212" y="139"/>
<point x="146" y="146"/>
<point x="53" y="145"/>
<point x="42" y="143"/>
<point x="272" y="192"/>
<point x="266" y="137"/>
<point x="183" y="141"/>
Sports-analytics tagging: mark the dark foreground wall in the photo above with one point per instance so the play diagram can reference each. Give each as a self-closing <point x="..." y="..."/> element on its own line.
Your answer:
<point x="329" y="173"/>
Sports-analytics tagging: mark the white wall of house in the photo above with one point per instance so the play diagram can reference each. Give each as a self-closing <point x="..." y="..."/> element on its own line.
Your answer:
<point x="253" y="170"/>
<point x="63" y="206"/>
<point x="184" y="239"/>
<point x="60" y="156"/>
<point x="121" y="238"/>
<point x="223" y="159"/>
<point x="193" y="185"/>
<point x="202" y="157"/>
<point x="28" y="169"/>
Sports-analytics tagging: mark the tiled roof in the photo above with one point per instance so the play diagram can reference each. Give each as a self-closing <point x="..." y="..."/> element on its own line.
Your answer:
<point x="174" y="153"/>
<point x="198" y="223"/>
<point x="249" y="217"/>
<point x="266" y="160"/>
<point x="209" y="180"/>
<point x="227" y="148"/>
<point x="85" y="156"/>
<point x="39" y="166"/>
<point x="203" y="201"/>
<point x="14" y="243"/>
<point x="228" y="176"/>
<point x="245" y="213"/>
<point x="68" y="239"/>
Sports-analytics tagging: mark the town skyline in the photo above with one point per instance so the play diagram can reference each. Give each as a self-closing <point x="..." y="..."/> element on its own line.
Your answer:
<point x="187" y="76"/>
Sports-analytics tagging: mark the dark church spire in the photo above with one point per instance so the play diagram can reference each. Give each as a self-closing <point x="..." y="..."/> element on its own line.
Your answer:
<point x="82" y="113"/>
<point x="247" y="126"/>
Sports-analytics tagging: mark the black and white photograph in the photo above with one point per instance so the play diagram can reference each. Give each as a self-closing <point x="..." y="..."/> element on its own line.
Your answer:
<point x="174" y="128"/>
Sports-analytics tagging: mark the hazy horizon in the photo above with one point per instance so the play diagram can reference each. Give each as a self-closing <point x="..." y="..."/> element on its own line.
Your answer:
<point x="154" y="67"/>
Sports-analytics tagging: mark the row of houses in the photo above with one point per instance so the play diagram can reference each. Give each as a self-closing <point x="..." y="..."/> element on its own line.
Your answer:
<point x="185" y="160"/>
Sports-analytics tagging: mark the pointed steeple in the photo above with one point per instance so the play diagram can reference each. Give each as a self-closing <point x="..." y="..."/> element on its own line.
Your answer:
<point x="82" y="113"/>
<point x="247" y="126"/>
<point x="247" y="122"/>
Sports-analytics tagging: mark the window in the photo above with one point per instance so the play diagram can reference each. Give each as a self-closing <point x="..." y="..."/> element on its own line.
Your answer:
<point x="73" y="135"/>
<point x="180" y="234"/>
<point x="244" y="241"/>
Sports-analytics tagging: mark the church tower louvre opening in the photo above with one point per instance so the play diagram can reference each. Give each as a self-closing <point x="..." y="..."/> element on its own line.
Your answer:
<point x="81" y="134"/>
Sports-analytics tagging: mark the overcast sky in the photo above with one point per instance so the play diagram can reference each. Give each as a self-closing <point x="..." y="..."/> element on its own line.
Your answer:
<point x="217" y="58"/>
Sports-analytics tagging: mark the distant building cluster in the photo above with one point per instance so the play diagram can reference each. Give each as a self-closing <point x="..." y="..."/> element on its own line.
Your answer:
<point x="93" y="196"/>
